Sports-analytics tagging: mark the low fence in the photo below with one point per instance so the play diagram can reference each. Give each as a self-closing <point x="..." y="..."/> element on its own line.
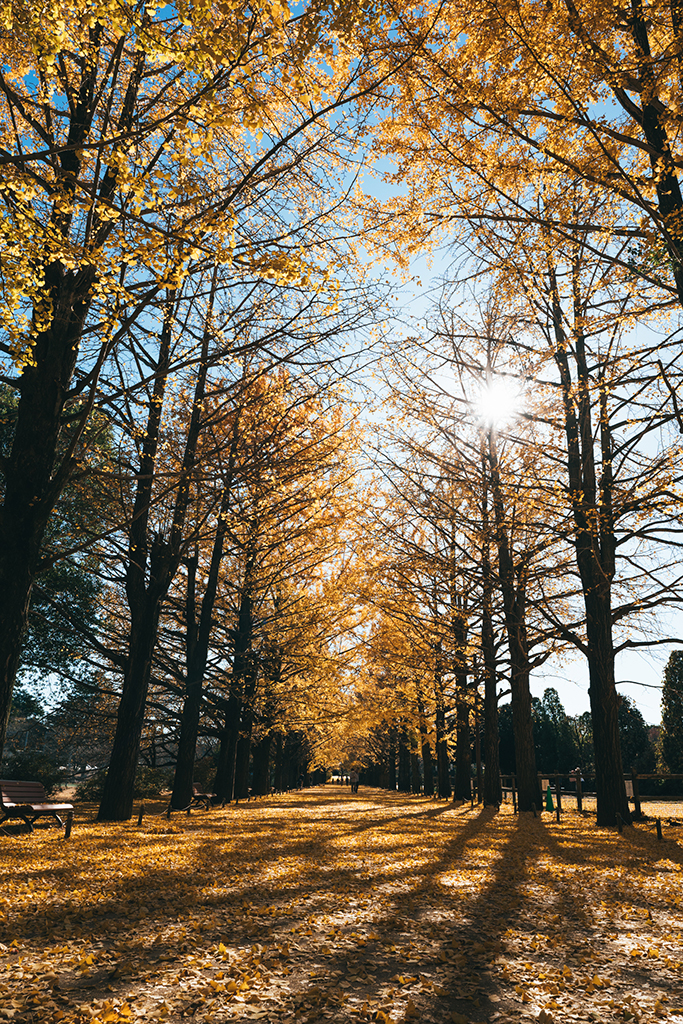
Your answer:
<point x="579" y="787"/>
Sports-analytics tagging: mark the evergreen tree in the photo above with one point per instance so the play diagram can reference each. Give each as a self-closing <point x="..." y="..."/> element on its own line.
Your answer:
<point x="637" y="751"/>
<point x="556" y="749"/>
<point x="66" y="593"/>
<point x="672" y="713"/>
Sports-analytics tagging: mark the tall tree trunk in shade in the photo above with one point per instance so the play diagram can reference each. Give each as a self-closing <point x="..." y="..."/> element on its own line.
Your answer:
<point x="513" y="587"/>
<point x="261" y="766"/>
<point x="493" y="793"/>
<point x="463" y="785"/>
<point x="415" y="782"/>
<point x="595" y="550"/>
<point x="425" y="747"/>
<point x="442" y="763"/>
<point x="198" y="637"/>
<point x="403" y="762"/>
<point x="391" y="758"/>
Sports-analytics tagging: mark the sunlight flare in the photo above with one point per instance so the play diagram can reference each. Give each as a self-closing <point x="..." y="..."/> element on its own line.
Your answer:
<point x="499" y="402"/>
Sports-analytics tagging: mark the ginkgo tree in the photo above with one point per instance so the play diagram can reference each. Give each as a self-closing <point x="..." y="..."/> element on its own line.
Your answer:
<point x="517" y="96"/>
<point x="474" y="463"/>
<point x="138" y="145"/>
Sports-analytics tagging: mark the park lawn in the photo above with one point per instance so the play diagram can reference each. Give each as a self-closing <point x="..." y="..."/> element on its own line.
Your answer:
<point x="322" y="906"/>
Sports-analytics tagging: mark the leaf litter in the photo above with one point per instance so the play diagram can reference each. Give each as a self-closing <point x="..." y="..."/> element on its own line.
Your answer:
<point x="325" y="906"/>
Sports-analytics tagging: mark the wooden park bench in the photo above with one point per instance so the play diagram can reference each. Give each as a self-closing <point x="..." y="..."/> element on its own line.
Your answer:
<point x="28" y="801"/>
<point x="200" y="798"/>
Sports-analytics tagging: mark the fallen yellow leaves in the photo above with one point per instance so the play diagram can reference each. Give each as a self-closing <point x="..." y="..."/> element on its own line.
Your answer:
<point x="262" y="912"/>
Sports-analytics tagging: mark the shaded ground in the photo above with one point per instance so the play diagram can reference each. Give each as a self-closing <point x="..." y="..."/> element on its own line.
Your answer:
<point x="323" y="906"/>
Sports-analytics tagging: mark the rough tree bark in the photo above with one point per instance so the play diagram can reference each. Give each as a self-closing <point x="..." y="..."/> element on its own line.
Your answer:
<point x="425" y="747"/>
<point x="33" y="479"/>
<point x="403" y="762"/>
<point x="261" y="766"/>
<point x="224" y="782"/>
<point x="595" y="547"/>
<point x="463" y="786"/>
<point x="493" y="793"/>
<point x="442" y="765"/>
<point x="198" y="635"/>
<point x="513" y="587"/>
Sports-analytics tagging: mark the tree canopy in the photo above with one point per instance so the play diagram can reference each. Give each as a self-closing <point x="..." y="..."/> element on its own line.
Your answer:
<point x="250" y="515"/>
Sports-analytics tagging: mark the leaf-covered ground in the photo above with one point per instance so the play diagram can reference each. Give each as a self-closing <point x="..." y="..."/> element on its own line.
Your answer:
<point x="322" y="906"/>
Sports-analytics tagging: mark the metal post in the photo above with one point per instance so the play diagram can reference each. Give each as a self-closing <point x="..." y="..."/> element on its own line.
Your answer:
<point x="140" y="814"/>
<point x="579" y="794"/>
<point x="620" y="822"/>
<point x="514" y="795"/>
<point x="659" y="828"/>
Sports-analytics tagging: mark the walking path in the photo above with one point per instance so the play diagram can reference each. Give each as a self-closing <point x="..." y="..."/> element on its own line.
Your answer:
<point x="328" y="906"/>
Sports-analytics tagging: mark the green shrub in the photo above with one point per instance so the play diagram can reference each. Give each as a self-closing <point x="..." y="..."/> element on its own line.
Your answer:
<point x="151" y="781"/>
<point x="205" y="771"/>
<point x="33" y="766"/>
<point x="90" y="790"/>
<point x="148" y="782"/>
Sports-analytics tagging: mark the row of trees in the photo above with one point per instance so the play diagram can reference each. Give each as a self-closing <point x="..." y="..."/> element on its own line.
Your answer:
<point x="180" y="215"/>
<point x="548" y="135"/>
<point x="393" y="757"/>
<point x="176" y="258"/>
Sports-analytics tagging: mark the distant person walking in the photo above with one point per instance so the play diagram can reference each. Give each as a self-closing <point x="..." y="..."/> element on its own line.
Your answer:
<point x="355" y="779"/>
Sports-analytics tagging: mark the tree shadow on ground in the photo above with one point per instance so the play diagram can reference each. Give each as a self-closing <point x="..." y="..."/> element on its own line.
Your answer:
<point x="373" y="904"/>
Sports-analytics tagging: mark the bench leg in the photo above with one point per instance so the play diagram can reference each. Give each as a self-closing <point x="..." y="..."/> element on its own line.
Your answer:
<point x="69" y="823"/>
<point x="46" y="814"/>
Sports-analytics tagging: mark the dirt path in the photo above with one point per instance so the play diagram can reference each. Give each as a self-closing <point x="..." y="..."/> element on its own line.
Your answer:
<point x="321" y="906"/>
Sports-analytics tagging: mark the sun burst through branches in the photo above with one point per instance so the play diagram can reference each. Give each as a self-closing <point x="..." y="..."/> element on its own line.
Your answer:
<point x="499" y="402"/>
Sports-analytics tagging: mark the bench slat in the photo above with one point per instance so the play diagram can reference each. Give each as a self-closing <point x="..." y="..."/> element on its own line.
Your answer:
<point x="22" y="792"/>
<point x="17" y="799"/>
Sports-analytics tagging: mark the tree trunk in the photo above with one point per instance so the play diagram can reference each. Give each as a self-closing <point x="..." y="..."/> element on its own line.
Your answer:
<point x="391" y="760"/>
<point x="415" y="772"/>
<point x="31" y="484"/>
<point x="198" y="636"/>
<point x="224" y="781"/>
<point x="463" y="784"/>
<point x="428" y="768"/>
<point x="279" y="764"/>
<point x="144" y="595"/>
<point x="493" y="794"/>
<point x="442" y="765"/>
<point x="261" y="762"/>
<point x="117" y="797"/>
<point x="242" y="759"/>
<point x="477" y="754"/>
<point x="513" y="587"/>
<point x="595" y="548"/>
<point x="426" y="748"/>
<point x="403" y="763"/>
